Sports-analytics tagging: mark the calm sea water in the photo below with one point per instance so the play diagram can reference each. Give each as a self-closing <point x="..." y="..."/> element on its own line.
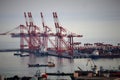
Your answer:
<point x="11" y="65"/>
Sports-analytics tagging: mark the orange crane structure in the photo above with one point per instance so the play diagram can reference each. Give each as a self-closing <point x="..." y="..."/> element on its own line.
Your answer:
<point x="35" y="40"/>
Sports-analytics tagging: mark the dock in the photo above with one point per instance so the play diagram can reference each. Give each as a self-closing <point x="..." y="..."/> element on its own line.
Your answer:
<point x="9" y="50"/>
<point x="53" y="53"/>
<point x="60" y="74"/>
<point x="96" y="78"/>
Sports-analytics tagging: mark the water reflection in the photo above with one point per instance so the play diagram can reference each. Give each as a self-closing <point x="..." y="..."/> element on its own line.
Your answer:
<point x="11" y="65"/>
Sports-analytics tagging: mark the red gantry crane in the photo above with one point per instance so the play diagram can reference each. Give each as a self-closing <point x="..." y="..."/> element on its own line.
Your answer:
<point x="59" y="39"/>
<point x="32" y="35"/>
<point x="33" y="40"/>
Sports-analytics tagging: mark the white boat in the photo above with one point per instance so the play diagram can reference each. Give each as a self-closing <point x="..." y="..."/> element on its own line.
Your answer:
<point x="24" y="54"/>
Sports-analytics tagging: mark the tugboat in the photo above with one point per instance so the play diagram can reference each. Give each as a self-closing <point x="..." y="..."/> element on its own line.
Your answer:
<point x="51" y="64"/>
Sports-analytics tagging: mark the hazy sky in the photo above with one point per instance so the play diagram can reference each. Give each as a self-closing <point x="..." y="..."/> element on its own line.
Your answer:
<point x="96" y="20"/>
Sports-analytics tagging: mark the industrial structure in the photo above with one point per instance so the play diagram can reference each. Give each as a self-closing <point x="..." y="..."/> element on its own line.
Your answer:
<point x="34" y="39"/>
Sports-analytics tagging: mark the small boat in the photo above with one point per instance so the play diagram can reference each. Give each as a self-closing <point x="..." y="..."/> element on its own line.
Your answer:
<point x="24" y="55"/>
<point x="49" y="64"/>
<point x="17" y="54"/>
<point x="37" y="65"/>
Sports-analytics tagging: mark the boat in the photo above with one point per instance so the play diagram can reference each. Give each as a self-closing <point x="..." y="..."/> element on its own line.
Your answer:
<point x="37" y="65"/>
<point x="21" y="54"/>
<point x="24" y="54"/>
<point x="17" y="54"/>
<point x="49" y="64"/>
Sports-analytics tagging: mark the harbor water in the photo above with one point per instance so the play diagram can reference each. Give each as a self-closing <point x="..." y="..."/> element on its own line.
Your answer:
<point x="11" y="65"/>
